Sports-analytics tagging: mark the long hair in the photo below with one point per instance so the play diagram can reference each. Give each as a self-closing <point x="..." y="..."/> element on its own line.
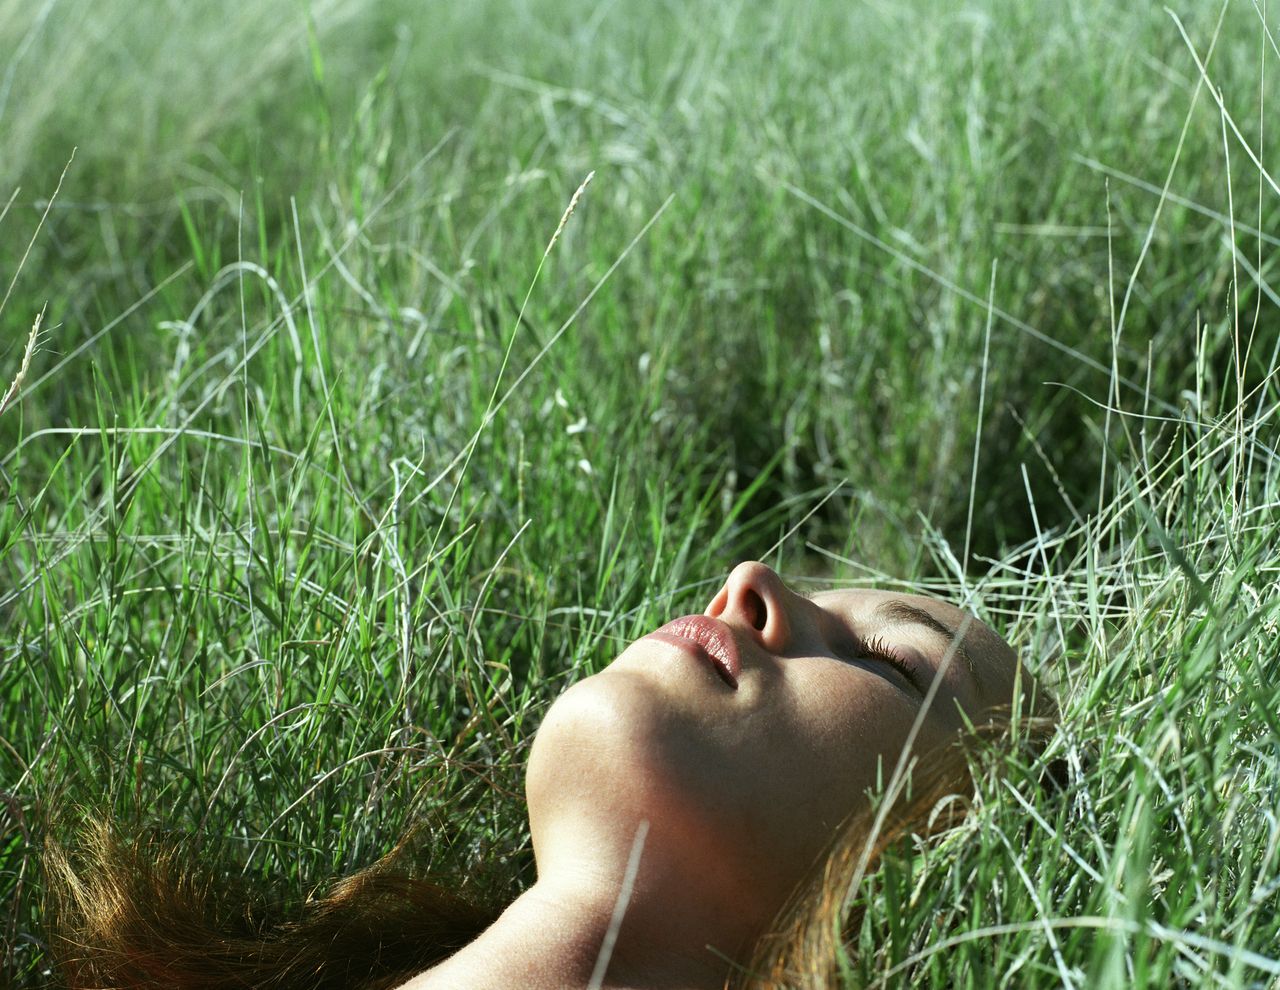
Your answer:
<point x="126" y="915"/>
<point x="800" y="951"/>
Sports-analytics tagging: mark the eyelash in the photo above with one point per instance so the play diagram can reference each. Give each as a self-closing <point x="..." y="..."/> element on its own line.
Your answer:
<point x="876" y="648"/>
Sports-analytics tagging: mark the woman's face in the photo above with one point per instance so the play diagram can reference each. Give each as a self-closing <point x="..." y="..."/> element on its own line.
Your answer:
<point x="755" y="729"/>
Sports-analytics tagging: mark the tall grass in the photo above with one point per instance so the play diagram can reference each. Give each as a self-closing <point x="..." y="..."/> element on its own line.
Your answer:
<point x="308" y="513"/>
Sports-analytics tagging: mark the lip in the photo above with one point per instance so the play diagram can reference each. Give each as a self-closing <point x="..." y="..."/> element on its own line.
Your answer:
<point x="711" y="637"/>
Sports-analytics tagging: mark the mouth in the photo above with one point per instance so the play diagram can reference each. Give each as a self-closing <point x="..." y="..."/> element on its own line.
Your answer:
<point x="712" y="641"/>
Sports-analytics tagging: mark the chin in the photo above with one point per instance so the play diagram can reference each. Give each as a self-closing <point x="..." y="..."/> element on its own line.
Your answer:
<point x="596" y="734"/>
<point x="615" y="749"/>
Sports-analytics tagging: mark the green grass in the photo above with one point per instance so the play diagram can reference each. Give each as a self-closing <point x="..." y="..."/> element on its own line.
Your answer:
<point x="307" y="515"/>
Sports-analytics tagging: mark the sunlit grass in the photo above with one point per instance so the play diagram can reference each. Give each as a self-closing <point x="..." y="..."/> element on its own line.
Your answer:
<point x="319" y="486"/>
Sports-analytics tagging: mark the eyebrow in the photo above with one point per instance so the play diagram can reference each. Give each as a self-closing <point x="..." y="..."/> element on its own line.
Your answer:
<point x="899" y="613"/>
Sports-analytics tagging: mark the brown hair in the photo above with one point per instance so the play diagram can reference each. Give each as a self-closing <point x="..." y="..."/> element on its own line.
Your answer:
<point x="126" y="915"/>
<point x="801" y="949"/>
<point x="134" y="914"/>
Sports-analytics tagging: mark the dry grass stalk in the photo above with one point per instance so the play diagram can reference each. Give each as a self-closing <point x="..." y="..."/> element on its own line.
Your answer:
<point x="573" y="205"/>
<point x="16" y="384"/>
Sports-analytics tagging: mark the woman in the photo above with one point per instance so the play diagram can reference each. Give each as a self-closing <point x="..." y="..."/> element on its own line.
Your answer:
<point x="678" y="800"/>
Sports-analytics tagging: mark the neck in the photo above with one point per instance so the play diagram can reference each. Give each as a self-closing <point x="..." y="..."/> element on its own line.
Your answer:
<point x="556" y="935"/>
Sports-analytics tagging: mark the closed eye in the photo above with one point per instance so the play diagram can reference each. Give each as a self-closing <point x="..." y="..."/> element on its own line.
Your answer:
<point x="876" y="649"/>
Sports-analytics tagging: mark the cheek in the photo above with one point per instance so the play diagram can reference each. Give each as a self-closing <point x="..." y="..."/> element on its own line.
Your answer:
<point x="851" y="725"/>
<point x="841" y="700"/>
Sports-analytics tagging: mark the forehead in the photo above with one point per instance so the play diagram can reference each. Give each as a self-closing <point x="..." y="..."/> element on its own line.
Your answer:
<point x="994" y="661"/>
<point x="856" y="599"/>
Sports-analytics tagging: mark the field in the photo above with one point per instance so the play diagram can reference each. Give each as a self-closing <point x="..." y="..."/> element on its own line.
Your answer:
<point x="330" y="466"/>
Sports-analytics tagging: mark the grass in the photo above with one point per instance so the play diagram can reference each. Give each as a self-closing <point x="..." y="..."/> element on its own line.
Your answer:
<point x="315" y="495"/>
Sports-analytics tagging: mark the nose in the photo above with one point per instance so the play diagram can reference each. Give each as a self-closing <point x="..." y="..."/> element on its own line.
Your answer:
<point x="755" y="600"/>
